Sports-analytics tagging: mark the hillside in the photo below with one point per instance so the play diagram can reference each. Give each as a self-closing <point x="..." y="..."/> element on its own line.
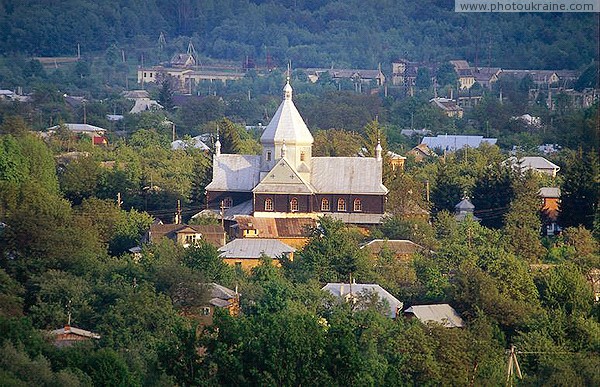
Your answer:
<point x="309" y="33"/>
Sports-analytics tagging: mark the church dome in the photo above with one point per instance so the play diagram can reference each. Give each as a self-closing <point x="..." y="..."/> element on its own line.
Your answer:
<point x="287" y="124"/>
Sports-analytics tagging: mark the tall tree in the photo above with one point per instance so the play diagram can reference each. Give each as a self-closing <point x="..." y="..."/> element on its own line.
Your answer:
<point x="580" y="190"/>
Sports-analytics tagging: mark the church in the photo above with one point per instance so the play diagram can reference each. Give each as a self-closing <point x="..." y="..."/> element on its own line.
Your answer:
<point x="286" y="181"/>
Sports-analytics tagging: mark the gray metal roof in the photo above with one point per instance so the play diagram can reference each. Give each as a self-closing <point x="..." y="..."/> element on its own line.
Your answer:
<point x="195" y="142"/>
<point x="357" y="218"/>
<point x="287" y="124"/>
<point x="75" y="331"/>
<point x="343" y="290"/>
<point x="442" y="314"/>
<point x="454" y="142"/>
<point x="80" y="128"/>
<point x="283" y="178"/>
<point x="235" y="173"/>
<point x="254" y="248"/>
<point x="350" y="175"/>
<point x="549" y="192"/>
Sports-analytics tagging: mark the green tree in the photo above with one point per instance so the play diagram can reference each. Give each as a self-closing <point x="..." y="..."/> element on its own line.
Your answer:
<point x="580" y="191"/>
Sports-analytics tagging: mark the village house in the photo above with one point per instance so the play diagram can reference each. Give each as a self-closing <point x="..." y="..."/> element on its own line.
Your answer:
<point x="533" y="163"/>
<point x="404" y="72"/>
<point x="550" y="207"/>
<point x="452" y="143"/>
<point x="68" y="336"/>
<point x="447" y="106"/>
<point x="442" y="314"/>
<point x="96" y="134"/>
<point x="291" y="231"/>
<point x="186" y="235"/>
<point x="466" y="79"/>
<point x="421" y="152"/>
<point x="362" y="296"/>
<point x="186" y="79"/>
<point x="358" y="76"/>
<point x="217" y="297"/>
<point x="402" y="249"/>
<point x="142" y="101"/>
<point x="486" y="76"/>
<point x="247" y="253"/>
<point x="286" y="181"/>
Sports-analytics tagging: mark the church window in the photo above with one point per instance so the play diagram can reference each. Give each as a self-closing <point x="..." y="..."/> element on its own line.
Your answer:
<point x="294" y="205"/>
<point x="268" y="204"/>
<point x="302" y="156"/>
<point x="341" y="205"/>
<point x="357" y="205"/>
<point x="268" y="155"/>
<point x="324" y="204"/>
<point x="227" y="202"/>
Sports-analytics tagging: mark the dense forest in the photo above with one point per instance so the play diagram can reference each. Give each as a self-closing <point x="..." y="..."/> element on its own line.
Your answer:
<point x="355" y="33"/>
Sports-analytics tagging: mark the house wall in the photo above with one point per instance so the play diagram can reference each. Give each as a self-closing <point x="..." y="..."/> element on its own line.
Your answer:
<point x="247" y="264"/>
<point x="281" y="202"/>
<point x="371" y="204"/>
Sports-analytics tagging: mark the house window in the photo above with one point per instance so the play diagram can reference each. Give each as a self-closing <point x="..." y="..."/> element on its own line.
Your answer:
<point x="357" y="205"/>
<point x="294" y="205"/>
<point x="324" y="204"/>
<point x="302" y="156"/>
<point x="268" y="204"/>
<point x="341" y="205"/>
<point x="145" y="75"/>
<point x="190" y="239"/>
<point x="227" y="202"/>
<point x="206" y="311"/>
<point x="268" y="155"/>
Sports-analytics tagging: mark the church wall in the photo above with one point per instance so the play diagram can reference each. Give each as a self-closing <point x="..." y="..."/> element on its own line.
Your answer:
<point x="214" y="198"/>
<point x="371" y="204"/>
<point x="281" y="202"/>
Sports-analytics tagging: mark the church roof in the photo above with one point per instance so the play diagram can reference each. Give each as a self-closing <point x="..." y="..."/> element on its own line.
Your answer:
<point x="287" y="124"/>
<point x="281" y="179"/>
<point x="235" y="173"/>
<point x="353" y="175"/>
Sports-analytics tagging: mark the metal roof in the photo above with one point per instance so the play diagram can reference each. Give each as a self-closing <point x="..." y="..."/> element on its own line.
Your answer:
<point x="235" y="173"/>
<point x="75" y="331"/>
<point x="80" y="128"/>
<point x="397" y="246"/>
<point x="287" y="124"/>
<point x="195" y="142"/>
<point x="549" y="192"/>
<point x="357" y="218"/>
<point x="454" y="142"/>
<point x="349" y="175"/>
<point x="442" y="314"/>
<point x="342" y="290"/>
<point x="252" y="248"/>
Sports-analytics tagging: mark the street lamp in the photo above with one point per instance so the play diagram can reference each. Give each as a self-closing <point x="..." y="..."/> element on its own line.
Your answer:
<point x="172" y="126"/>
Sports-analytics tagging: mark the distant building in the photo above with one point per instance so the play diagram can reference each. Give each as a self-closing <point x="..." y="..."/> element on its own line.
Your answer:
<point x="186" y="235"/>
<point x="247" y="253"/>
<point x="448" y="106"/>
<point x="421" y="152"/>
<point x="68" y="336"/>
<point x="464" y="72"/>
<point x="486" y="76"/>
<point x="401" y="248"/>
<point x="465" y="209"/>
<point x="358" y="76"/>
<point x="96" y="133"/>
<point x="550" y="207"/>
<point x="452" y="143"/>
<point x="183" y="60"/>
<point x="291" y="231"/>
<point x="194" y="142"/>
<point x="535" y="163"/>
<point x="362" y="293"/>
<point x="218" y="297"/>
<point x="442" y="314"/>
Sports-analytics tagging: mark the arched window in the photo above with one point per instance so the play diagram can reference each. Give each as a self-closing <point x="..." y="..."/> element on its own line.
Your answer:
<point x="294" y="205"/>
<point x="302" y="156"/>
<point x="227" y="202"/>
<point x="324" y="204"/>
<point x="341" y="205"/>
<point x="357" y="205"/>
<point x="268" y="204"/>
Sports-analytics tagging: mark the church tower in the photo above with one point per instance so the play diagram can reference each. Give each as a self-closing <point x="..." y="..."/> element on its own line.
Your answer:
<point x="287" y="137"/>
